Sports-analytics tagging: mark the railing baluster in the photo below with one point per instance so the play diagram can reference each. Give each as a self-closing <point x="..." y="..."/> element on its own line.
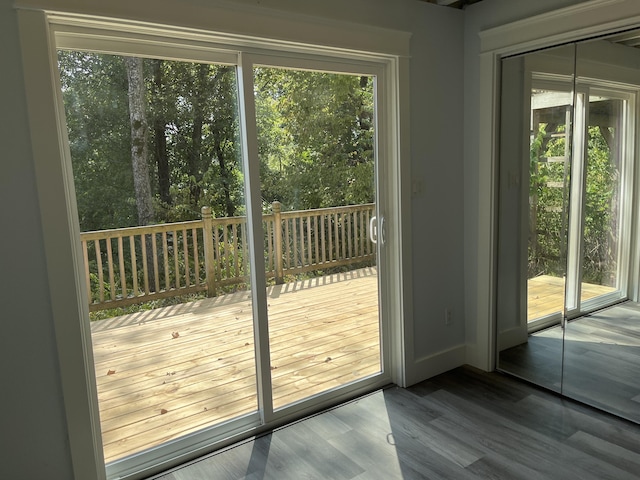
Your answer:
<point x="349" y="237"/>
<point x="112" y="283"/>
<point x="227" y="261"/>
<point x="278" y="265"/>
<point x="176" y="258"/>
<point x="309" y="244"/>
<point x="165" y="261"/>
<point x="134" y="266"/>
<point x="245" y="250"/>
<point x="209" y="245"/>
<point x="315" y="231"/>
<point x="269" y="244"/>
<point x="344" y="254"/>
<point x="85" y="254"/>
<point x="145" y="266"/>
<point x="360" y="236"/>
<point x="330" y="228"/>
<point x="217" y="265"/>
<point x="123" y="273"/>
<point x="196" y="266"/>
<point x="100" y="271"/>
<point x="154" y="250"/>
<point x="286" y="244"/>
<point x="322" y="237"/>
<point x="185" y="248"/>
<point x="294" y="243"/>
<point x="302" y="246"/>
<point x="356" y="244"/>
<point x="234" y="240"/>
<point x="368" y="242"/>
<point x="336" y="230"/>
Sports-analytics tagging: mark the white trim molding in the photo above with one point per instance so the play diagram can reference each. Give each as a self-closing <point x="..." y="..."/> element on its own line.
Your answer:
<point x="242" y="24"/>
<point x="62" y="250"/>
<point x="585" y="20"/>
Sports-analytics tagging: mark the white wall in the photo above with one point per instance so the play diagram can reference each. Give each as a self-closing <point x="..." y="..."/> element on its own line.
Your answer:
<point x="33" y="437"/>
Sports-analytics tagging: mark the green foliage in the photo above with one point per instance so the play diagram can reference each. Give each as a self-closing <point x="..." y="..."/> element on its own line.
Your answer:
<point x="549" y="208"/>
<point x="315" y="138"/>
<point x="315" y="146"/>
<point x="94" y="91"/>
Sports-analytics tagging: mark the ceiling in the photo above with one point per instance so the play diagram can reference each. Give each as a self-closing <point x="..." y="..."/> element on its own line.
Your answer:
<point x="453" y="3"/>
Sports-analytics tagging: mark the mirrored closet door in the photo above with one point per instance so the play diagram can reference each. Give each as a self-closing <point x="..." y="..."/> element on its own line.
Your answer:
<point x="566" y="316"/>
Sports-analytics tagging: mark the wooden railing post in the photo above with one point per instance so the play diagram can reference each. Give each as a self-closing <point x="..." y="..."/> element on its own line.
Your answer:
<point x="276" y="208"/>
<point x="209" y="257"/>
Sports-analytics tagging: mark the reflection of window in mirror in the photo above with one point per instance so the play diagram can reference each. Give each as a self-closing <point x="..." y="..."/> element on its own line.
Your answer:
<point x="567" y="258"/>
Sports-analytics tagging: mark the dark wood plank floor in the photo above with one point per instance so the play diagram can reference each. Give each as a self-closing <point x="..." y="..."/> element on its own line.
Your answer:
<point x="464" y="424"/>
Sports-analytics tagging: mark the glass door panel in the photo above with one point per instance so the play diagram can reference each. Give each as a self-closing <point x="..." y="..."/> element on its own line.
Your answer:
<point x="602" y="250"/>
<point x="599" y="368"/>
<point x="550" y="154"/>
<point x="317" y="143"/>
<point x="535" y="172"/>
<point x="580" y="233"/>
<point x="159" y="187"/>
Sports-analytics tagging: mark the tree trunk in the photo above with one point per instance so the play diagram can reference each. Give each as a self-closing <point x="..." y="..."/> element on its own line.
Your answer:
<point x="159" y="127"/>
<point x="139" y="137"/>
<point x="226" y="182"/>
<point x="195" y="169"/>
<point x="139" y="152"/>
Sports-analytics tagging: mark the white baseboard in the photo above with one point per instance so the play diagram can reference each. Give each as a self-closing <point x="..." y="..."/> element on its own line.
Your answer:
<point x="512" y="337"/>
<point x="432" y="365"/>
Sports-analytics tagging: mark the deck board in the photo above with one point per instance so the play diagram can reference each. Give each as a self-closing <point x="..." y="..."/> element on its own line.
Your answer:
<point x="545" y="295"/>
<point x="171" y="371"/>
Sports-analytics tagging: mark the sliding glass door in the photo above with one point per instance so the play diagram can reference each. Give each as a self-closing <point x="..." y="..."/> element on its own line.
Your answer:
<point x="233" y="237"/>
<point x="319" y="149"/>
<point x="602" y="238"/>
<point x="549" y="177"/>
<point x="578" y="245"/>
<point x="165" y="252"/>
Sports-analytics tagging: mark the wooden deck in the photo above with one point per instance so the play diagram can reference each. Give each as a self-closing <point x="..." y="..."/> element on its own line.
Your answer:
<point x="546" y="295"/>
<point x="167" y="372"/>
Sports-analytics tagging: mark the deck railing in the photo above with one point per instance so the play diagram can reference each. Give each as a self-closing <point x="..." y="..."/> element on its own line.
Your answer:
<point x="132" y="265"/>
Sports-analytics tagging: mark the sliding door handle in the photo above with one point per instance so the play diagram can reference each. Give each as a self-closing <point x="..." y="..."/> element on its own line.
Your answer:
<point x="376" y="230"/>
<point x="373" y="229"/>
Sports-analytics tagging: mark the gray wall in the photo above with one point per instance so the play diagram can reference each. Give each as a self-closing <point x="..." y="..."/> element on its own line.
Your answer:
<point x="33" y="434"/>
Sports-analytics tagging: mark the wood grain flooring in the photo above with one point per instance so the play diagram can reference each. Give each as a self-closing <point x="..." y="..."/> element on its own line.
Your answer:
<point x="168" y="372"/>
<point x="464" y="424"/>
<point x="601" y="364"/>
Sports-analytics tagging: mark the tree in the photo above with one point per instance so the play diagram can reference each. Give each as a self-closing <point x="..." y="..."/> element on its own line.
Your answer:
<point x="159" y="113"/>
<point x="94" y="89"/>
<point x="139" y="139"/>
<point x="158" y="139"/>
<point x="322" y="146"/>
